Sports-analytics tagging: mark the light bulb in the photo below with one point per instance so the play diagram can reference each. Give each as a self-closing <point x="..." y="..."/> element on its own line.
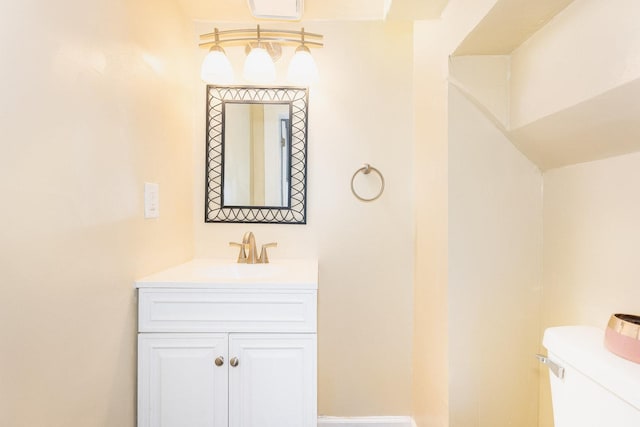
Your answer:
<point x="216" y="68"/>
<point x="259" y="67"/>
<point x="302" y="69"/>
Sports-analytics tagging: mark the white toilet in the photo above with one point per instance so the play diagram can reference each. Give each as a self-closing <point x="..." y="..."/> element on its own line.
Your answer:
<point x="590" y="386"/>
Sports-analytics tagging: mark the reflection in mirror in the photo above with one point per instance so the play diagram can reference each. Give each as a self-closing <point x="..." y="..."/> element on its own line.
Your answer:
<point x="256" y="154"/>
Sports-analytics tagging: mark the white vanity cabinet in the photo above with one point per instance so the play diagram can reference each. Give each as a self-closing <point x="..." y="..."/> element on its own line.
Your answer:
<point x="223" y="353"/>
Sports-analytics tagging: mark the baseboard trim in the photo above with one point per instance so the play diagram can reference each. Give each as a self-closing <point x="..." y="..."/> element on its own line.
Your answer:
<point x="365" y="422"/>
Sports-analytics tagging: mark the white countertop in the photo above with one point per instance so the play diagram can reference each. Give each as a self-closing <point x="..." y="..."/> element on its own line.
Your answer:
<point x="226" y="274"/>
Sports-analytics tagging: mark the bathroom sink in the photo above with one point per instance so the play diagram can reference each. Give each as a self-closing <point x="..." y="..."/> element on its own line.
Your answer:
<point x="216" y="273"/>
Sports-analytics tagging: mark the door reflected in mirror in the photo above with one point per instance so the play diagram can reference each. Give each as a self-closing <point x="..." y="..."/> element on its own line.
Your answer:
<point x="256" y="155"/>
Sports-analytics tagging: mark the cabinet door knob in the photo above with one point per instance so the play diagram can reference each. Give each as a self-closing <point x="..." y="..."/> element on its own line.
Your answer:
<point x="234" y="361"/>
<point x="219" y="361"/>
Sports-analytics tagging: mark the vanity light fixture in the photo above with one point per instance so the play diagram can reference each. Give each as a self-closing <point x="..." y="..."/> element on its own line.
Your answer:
<point x="259" y="66"/>
<point x="216" y="66"/>
<point x="264" y="47"/>
<point x="302" y="68"/>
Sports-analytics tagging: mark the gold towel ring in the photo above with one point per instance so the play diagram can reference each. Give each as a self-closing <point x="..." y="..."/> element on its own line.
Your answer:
<point x="367" y="169"/>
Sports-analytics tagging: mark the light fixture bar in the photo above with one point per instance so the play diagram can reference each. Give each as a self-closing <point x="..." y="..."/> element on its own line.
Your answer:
<point x="262" y="39"/>
<point x="260" y="34"/>
<point x="262" y="30"/>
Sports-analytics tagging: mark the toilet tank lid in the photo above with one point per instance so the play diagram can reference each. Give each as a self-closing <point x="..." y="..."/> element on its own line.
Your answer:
<point x="582" y="347"/>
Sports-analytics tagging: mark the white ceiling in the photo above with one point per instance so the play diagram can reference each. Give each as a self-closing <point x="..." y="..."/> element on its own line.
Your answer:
<point x="509" y="24"/>
<point x="323" y="10"/>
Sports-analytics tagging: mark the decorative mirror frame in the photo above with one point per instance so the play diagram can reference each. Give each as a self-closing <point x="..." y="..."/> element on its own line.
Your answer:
<point x="296" y="211"/>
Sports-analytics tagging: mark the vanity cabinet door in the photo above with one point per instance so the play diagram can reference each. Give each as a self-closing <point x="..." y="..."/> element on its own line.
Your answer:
<point x="179" y="382"/>
<point x="273" y="383"/>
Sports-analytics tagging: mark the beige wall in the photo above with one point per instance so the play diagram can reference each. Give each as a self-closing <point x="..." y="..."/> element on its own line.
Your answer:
<point x="359" y="112"/>
<point x="495" y="251"/>
<point x="430" y="382"/>
<point x="434" y="41"/>
<point x="592" y="239"/>
<point x="93" y="104"/>
<point x="485" y="79"/>
<point x="430" y="403"/>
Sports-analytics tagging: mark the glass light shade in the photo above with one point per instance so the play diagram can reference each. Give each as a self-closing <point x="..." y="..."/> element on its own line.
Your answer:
<point x="216" y="68"/>
<point x="259" y="67"/>
<point x="302" y="69"/>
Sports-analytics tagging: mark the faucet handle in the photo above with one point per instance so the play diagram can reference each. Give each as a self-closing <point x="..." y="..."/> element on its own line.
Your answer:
<point x="264" y="257"/>
<point x="242" y="255"/>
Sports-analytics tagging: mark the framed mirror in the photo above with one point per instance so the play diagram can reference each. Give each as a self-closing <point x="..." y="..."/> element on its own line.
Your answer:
<point x="256" y="170"/>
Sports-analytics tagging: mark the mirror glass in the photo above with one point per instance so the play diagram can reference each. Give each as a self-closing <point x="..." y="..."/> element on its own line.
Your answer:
<point x="256" y="154"/>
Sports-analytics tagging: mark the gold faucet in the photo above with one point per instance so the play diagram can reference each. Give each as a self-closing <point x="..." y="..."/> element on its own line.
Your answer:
<point x="249" y="243"/>
<point x="248" y="251"/>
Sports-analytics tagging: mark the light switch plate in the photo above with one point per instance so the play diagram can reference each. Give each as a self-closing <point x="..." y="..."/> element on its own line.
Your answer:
<point x="151" y="200"/>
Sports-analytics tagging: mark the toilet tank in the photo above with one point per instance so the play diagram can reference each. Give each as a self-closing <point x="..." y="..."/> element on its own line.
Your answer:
<point x="599" y="389"/>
